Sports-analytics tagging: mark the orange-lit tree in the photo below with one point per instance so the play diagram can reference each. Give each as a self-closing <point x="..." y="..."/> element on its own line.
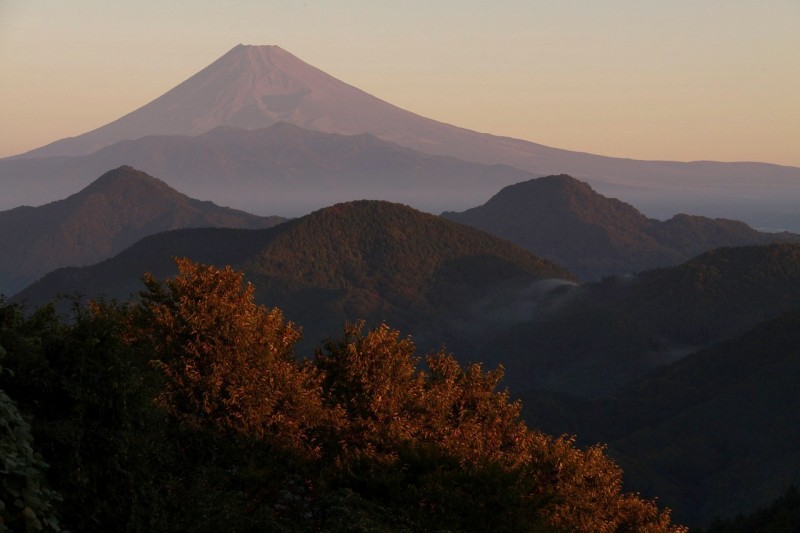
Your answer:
<point x="228" y="362"/>
<point x="393" y="444"/>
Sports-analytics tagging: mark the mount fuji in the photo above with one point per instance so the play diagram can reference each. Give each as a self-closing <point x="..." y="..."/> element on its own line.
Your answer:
<point x="255" y="87"/>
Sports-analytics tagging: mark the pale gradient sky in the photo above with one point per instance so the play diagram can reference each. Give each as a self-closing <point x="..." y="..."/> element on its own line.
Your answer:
<point x="678" y="79"/>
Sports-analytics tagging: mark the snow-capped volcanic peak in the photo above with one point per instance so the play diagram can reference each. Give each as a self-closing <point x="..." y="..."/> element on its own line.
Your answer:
<point x="253" y="87"/>
<point x="249" y="87"/>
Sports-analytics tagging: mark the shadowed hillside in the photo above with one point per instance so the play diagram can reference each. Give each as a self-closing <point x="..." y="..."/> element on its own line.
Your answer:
<point x="116" y="210"/>
<point x="591" y="339"/>
<point x="366" y="259"/>
<point x="714" y="434"/>
<point x="565" y="220"/>
<point x="281" y="169"/>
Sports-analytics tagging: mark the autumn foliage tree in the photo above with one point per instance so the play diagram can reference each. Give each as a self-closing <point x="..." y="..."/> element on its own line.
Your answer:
<point x="229" y="362"/>
<point x="396" y="414"/>
<point x="374" y="377"/>
<point x="394" y="444"/>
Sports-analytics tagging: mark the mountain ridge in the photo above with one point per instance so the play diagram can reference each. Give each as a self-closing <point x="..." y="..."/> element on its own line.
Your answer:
<point x="565" y="220"/>
<point x="111" y="213"/>
<point x="254" y="86"/>
<point x="592" y="339"/>
<point x="365" y="259"/>
<point x="714" y="434"/>
<point x="277" y="169"/>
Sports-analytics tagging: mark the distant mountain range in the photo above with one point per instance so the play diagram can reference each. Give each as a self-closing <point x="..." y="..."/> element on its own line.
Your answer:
<point x="282" y="169"/>
<point x="368" y="259"/>
<point x="688" y="372"/>
<point x="112" y="213"/>
<point x="619" y="328"/>
<point x="480" y="295"/>
<point x="565" y="220"/>
<point x="254" y="87"/>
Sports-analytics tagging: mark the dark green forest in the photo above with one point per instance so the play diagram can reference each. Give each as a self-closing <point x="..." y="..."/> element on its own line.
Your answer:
<point x="192" y="410"/>
<point x="783" y="516"/>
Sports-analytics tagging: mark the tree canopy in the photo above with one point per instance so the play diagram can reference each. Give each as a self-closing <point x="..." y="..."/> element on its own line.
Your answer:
<point x="242" y="432"/>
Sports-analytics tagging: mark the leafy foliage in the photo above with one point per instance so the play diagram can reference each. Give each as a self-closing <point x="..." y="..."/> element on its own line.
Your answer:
<point x="26" y="503"/>
<point x="389" y="431"/>
<point x="226" y="429"/>
<point x="89" y="398"/>
<point x="226" y="359"/>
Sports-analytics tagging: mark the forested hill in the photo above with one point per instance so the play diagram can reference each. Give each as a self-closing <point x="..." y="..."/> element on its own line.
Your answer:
<point x="714" y="434"/>
<point x="113" y="212"/>
<point x="192" y="410"/>
<point x="565" y="220"/>
<point x="591" y="339"/>
<point x="366" y="259"/>
<point x="390" y="260"/>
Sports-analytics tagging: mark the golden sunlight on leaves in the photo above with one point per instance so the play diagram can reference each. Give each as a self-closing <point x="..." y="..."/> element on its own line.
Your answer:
<point x="365" y="413"/>
<point x="227" y="360"/>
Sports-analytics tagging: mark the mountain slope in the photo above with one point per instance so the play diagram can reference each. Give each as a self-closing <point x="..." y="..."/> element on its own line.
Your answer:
<point x="591" y="340"/>
<point x="565" y="220"/>
<point x="251" y="87"/>
<point x="714" y="434"/>
<point x="734" y="408"/>
<point x="367" y="259"/>
<point x="281" y="169"/>
<point x="116" y="210"/>
<point x="255" y="86"/>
